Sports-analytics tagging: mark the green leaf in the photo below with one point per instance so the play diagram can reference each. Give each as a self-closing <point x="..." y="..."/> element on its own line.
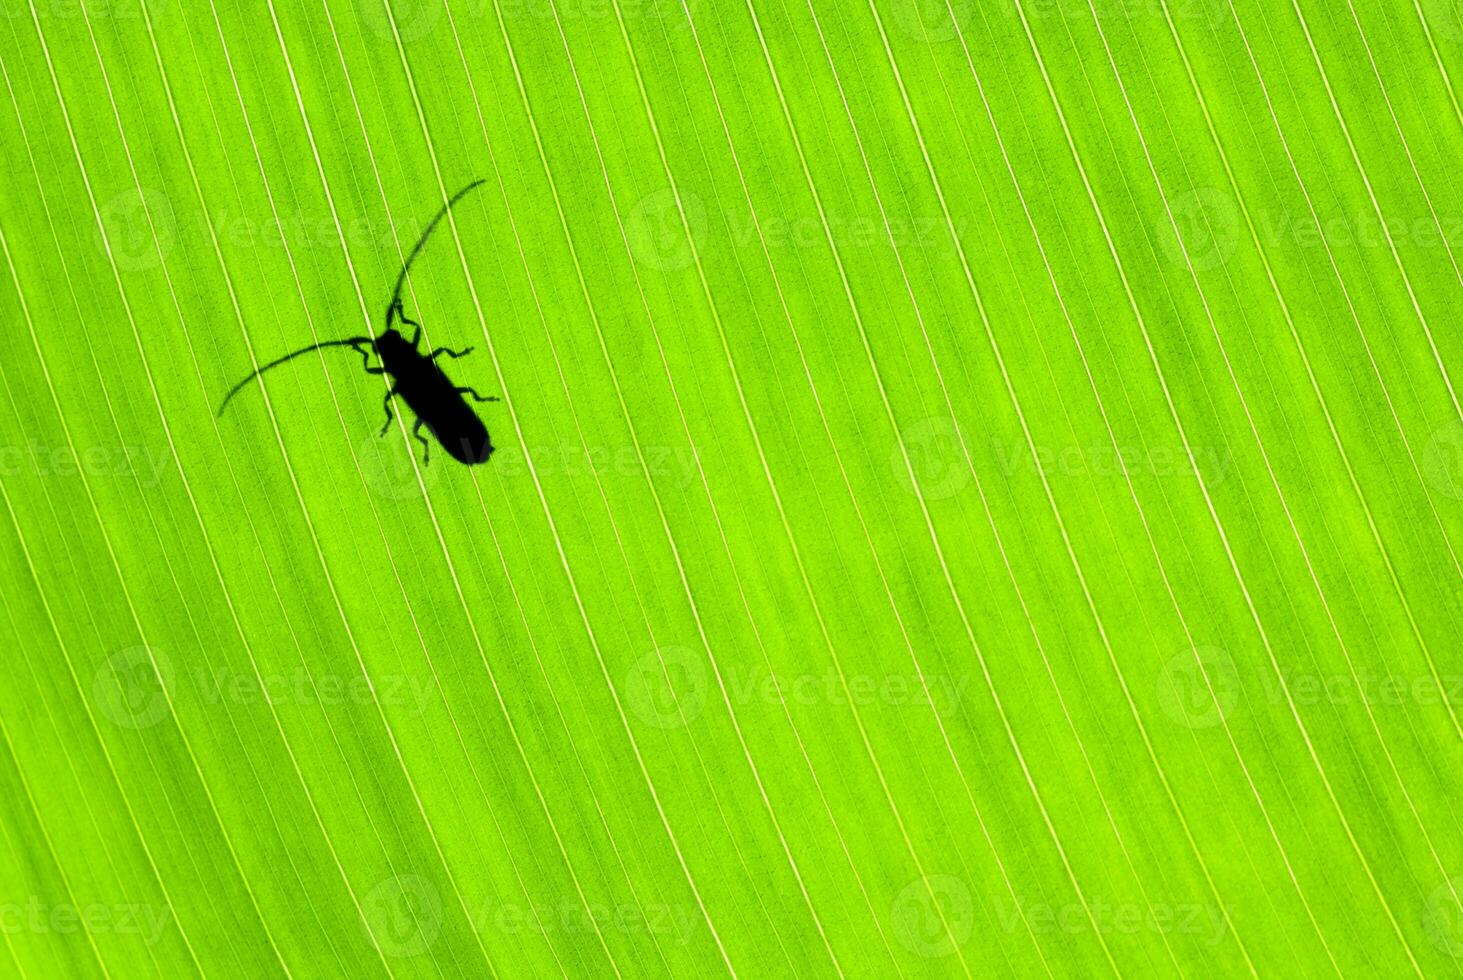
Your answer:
<point x="974" y="493"/>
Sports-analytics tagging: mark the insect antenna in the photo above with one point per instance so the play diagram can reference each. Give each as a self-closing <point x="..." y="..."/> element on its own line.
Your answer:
<point x="395" y="309"/>
<point x="349" y="342"/>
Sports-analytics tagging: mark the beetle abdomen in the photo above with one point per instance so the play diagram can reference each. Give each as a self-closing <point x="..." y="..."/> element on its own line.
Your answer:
<point x="451" y="419"/>
<point x="467" y="443"/>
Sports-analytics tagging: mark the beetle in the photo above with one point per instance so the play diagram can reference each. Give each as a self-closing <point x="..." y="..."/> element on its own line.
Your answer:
<point x="416" y="377"/>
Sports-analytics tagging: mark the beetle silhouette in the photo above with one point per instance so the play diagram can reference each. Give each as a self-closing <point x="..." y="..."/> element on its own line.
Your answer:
<point x="416" y="378"/>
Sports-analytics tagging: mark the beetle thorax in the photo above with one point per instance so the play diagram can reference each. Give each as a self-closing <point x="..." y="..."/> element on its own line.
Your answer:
<point x="392" y="344"/>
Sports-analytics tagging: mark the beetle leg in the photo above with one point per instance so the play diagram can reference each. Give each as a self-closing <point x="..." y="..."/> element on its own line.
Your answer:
<point x="366" y="359"/>
<point x="386" y="403"/>
<point x="416" y="430"/>
<point x="454" y="354"/>
<point x="416" y="338"/>
<point x="475" y="395"/>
